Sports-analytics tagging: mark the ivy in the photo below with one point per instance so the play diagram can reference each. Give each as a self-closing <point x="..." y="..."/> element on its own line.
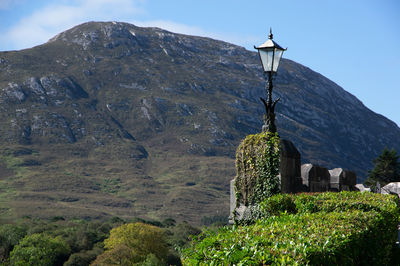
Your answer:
<point x="257" y="167"/>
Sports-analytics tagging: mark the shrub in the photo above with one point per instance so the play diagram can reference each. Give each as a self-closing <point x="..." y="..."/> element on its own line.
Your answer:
<point x="132" y="243"/>
<point x="215" y="220"/>
<point x="179" y="236"/>
<point x="10" y="235"/>
<point x="83" y="258"/>
<point x="320" y="229"/>
<point x="40" y="249"/>
<point x="278" y="204"/>
<point x="346" y="201"/>
<point x="328" y="202"/>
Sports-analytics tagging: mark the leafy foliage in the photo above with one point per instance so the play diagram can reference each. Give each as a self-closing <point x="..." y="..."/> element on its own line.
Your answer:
<point x="10" y="235"/>
<point x="84" y="239"/>
<point x="306" y="229"/>
<point x="84" y="257"/>
<point x="216" y="220"/>
<point x="179" y="236"/>
<point x="386" y="168"/>
<point x="84" y="242"/>
<point x="132" y="243"/>
<point x="40" y="249"/>
<point x="257" y="167"/>
<point x="327" y="202"/>
<point x="119" y="255"/>
<point x="278" y="204"/>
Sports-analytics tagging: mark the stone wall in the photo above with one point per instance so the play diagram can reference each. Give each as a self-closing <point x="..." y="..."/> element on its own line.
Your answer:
<point x="296" y="177"/>
<point x="315" y="178"/>
<point x="342" y="180"/>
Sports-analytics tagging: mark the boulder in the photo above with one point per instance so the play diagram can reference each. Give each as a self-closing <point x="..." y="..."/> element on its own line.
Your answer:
<point x="391" y="188"/>
<point x="362" y="188"/>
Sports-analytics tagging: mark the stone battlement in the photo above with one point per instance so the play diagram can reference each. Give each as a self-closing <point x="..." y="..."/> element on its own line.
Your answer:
<point x="296" y="177"/>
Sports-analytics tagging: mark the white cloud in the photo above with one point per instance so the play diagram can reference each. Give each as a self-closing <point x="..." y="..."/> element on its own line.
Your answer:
<point x="50" y="20"/>
<point x="173" y="27"/>
<point x="45" y="23"/>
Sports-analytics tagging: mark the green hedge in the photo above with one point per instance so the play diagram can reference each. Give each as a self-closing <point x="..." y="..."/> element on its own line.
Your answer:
<point x="328" y="202"/>
<point x="346" y="228"/>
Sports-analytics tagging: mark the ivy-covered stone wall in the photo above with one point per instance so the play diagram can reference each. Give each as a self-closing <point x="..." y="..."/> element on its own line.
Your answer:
<point x="257" y="168"/>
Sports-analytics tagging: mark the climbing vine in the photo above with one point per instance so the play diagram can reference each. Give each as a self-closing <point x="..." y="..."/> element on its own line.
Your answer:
<point x="257" y="168"/>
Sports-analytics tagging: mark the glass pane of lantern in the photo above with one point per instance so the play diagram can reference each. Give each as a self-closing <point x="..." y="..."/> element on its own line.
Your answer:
<point x="277" y="58"/>
<point x="266" y="59"/>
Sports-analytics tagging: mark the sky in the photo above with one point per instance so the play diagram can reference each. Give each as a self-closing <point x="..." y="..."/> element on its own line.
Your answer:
<point x="355" y="43"/>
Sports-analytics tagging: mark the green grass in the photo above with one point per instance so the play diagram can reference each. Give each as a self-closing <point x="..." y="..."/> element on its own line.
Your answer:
<point x="97" y="187"/>
<point x="111" y="185"/>
<point x="14" y="164"/>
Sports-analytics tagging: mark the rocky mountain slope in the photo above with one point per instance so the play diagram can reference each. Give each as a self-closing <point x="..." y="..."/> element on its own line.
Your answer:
<point x="112" y="119"/>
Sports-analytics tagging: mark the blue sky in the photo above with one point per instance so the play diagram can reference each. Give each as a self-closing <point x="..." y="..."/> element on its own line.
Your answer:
<point x="355" y="43"/>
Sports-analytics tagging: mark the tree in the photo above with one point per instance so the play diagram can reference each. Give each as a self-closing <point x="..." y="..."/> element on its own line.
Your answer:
<point x="40" y="249"/>
<point x="10" y="235"/>
<point x="132" y="244"/>
<point x="83" y="258"/>
<point x="386" y="168"/>
<point x="118" y="255"/>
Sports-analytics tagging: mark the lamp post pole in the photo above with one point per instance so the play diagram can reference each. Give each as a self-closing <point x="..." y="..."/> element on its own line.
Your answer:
<point x="270" y="55"/>
<point x="269" y="117"/>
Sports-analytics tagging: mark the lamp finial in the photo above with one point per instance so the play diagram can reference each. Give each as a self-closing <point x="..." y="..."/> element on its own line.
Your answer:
<point x="270" y="36"/>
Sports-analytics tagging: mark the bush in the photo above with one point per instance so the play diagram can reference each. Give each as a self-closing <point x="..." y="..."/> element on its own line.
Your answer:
<point x="10" y="235"/>
<point x="83" y="258"/>
<point x="347" y="201"/>
<point x="215" y="220"/>
<point x="133" y="243"/>
<point x="179" y="236"/>
<point x="328" y="202"/>
<point x="344" y="228"/>
<point x="40" y="249"/>
<point x="278" y="204"/>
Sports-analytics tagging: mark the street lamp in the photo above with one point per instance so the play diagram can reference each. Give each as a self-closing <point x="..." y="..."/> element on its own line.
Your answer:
<point x="270" y="55"/>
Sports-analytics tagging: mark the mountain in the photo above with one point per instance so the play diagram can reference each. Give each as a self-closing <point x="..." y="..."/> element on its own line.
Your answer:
<point x="109" y="119"/>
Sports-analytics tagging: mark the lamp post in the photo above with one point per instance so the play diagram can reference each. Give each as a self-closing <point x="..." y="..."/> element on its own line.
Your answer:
<point x="270" y="55"/>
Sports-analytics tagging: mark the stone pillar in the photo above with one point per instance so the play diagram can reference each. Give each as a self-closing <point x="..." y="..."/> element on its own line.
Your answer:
<point x="349" y="179"/>
<point x="232" y="203"/>
<point x="342" y="180"/>
<point x="249" y="152"/>
<point x="315" y="177"/>
<point x="290" y="168"/>
<point x="336" y="180"/>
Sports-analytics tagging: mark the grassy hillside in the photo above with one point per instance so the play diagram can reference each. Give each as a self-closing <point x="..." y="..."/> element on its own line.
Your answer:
<point x="112" y="119"/>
